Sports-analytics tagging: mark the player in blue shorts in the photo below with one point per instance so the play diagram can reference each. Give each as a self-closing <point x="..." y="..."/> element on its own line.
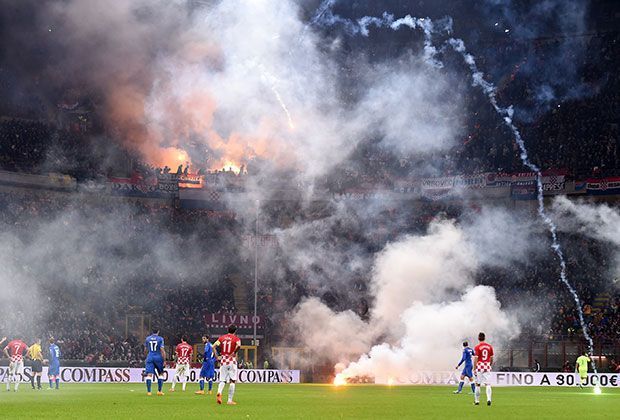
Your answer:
<point x="155" y="356"/>
<point x="468" y="366"/>
<point x="207" y="372"/>
<point x="53" y="372"/>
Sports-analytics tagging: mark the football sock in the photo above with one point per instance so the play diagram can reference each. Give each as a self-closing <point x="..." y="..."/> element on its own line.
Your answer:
<point x="220" y="387"/>
<point x="32" y="381"/>
<point x="231" y="391"/>
<point x="148" y="384"/>
<point x="210" y="385"/>
<point x="489" y="392"/>
<point x="477" y="394"/>
<point x="202" y="384"/>
<point x="160" y="384"/>
<point x="16" y="384"/>
<point x="8" y="383"/>
<point x="460" y="386"/>
<point x="39" y="382"/>
<point x="184" y="382"/>
<point x="174" y="381"/>
<point x="57" y="382"/>
<point x="473" y="387"/>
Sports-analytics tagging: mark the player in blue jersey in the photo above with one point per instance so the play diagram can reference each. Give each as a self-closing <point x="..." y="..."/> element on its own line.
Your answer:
<point x="207" y="372"/>
<point x="155" y="356"/>
<point x="53" y="372"/>
<point x="467" y="360"/>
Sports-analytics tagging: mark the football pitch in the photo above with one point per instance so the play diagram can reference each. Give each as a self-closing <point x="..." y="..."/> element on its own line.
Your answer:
<point x="305" y="401"/>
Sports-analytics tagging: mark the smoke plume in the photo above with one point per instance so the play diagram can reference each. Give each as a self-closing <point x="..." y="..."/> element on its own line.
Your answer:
<point x="426" y="303"/>
<point x="597" y="221"/>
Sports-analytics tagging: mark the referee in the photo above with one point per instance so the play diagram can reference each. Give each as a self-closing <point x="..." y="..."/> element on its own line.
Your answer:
<point x="37" y="362"/>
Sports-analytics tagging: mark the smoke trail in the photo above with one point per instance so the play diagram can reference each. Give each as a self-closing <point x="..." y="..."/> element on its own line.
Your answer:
<point x="507" y="113"/>
<point x="599" y="222"/>
<point x="327" y="18"/>
<point x="271" y="81"/>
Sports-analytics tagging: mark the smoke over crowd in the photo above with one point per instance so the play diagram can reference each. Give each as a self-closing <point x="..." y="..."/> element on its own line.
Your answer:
<point x="270" y="88"/>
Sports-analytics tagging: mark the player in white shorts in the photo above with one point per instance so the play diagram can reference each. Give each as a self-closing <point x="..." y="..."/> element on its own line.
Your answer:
<point x="227" y="345"/>
<point x="15" y="351"/>
<point x="483" y="361"/>
<point x="184" y="354"/>
<point x="228" y="370"/>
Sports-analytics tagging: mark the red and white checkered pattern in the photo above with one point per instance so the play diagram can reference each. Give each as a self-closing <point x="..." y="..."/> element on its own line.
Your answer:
<point x="16" y="349"/>
<point x="17" y="358"/>
<point x="483" y="367"/>
<point x="184" y="353"/>
<point x="228" y="359"/>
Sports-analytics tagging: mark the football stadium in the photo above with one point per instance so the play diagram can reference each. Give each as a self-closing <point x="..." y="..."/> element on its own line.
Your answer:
<point x="302" y="209"/>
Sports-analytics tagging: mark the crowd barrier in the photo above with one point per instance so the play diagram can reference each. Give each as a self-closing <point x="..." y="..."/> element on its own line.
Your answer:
<point x="136" y="375"/>
<point x="611" y="380"/>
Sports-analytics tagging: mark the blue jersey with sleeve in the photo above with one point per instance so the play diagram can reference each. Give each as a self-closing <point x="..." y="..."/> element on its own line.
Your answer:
<point x="208" y="362"/>
<point x="54" y="354"/>
<point x="208" y="355"/>
<point x="468" y="354"/>
<point x="154" y="344"/>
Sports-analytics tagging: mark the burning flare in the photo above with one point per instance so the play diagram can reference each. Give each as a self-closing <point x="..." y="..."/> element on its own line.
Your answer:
<point x="340" y="380"/>
<point x="169" y="156"/>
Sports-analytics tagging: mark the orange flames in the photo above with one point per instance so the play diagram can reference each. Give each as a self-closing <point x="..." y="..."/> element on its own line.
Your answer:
<point x="169" y="156"/>
<point x="157" y="124"/>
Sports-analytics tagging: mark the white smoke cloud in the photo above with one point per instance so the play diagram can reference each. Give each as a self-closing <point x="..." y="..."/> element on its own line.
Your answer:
<point x="433" y="334"/>
<point x="426" y="303"/>
<point x="97" y="248"/>
<point x="421" y="269"/>
<point x="239" y="80"/>
<point x="406" y="112"/>
<point x="598" y="221"/>
<point x="500" y="237"/>
<point x="331" y="335"/>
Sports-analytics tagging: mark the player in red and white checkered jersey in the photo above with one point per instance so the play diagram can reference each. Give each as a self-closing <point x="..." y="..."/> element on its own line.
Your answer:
<point x="15" y="351"/>
<point x="230" y="345"/>
<point x="483" y="361"/>
<point x="184" y="354"/>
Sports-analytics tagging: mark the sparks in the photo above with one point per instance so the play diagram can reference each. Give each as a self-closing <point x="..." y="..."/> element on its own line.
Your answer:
<point x="271" y="81"/>
<point x="390" y="381"/>
<point x="232" y="166"/>
<point x="284" y="108"/>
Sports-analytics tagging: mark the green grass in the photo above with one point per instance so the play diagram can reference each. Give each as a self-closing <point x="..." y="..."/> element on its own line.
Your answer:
<point x="307" y="401"/>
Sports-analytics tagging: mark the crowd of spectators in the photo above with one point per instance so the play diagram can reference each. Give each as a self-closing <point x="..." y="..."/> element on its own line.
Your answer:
<point x="87" y="309"/>
<point x="577" y="132"/>
<point x="38" y="146"/>
<point x="88" y="313"/>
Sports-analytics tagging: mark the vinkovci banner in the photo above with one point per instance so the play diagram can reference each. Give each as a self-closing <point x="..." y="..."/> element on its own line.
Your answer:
<point x="136" y="375"/>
